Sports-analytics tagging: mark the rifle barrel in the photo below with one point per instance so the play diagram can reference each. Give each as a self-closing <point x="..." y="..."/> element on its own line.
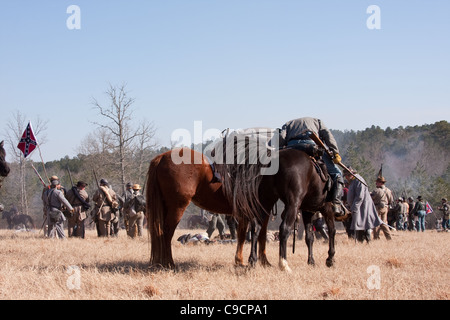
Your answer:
<point x="40" y="178"/>
<point x="70" y="176"/>
<point x="317" y="140"/>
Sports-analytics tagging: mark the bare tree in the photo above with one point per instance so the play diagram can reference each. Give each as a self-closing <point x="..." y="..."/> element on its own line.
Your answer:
<point x="14" y="131"/>
<point x="143" y="148"/>
<point x="119" y="122"/>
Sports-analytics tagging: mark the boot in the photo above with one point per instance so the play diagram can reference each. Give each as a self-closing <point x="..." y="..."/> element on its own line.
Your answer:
<point x="337" y="190"/>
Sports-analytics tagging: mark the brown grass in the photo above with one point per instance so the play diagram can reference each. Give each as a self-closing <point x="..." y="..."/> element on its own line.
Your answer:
<point x="412" y="266"/>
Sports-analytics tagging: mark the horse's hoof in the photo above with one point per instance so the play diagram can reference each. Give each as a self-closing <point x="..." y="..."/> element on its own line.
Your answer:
<point x="266" y="264"/>
<point x="329" y="263"/>
<point x="284" y="266"/>
<point x="311" y="262"/>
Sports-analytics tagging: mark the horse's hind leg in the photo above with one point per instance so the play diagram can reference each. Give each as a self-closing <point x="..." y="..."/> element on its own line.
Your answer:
<point x="262" y="243"/>
<point x="255" y="232"/>
<point x="170" y="224"/>
<point x="309" y="235"/>
<point x="241" y="234"/>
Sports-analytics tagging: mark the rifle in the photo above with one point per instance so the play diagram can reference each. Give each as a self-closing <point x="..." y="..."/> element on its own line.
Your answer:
<point x="99" y="190"/>
<point x="70" y="176"/>
<point x="40" y="178"/>
<point x="317" y="140"/>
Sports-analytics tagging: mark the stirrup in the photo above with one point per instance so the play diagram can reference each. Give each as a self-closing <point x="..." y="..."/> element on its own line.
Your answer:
<point x="343" y="214"/>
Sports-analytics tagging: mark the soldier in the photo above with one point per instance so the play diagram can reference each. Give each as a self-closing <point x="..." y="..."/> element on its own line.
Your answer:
<point x="105" y="201"/>
<point x="363" y="211"/>
<point x="126" y="196"/>
<point x="135" y="208"/>
<point x="445" y="214"/>
<point x="54" y="201"/>
<point x="383" y="199"/>
<point x="297" y="134"/>
<point x="401" y="213"/>
<point x="411" y="224"/>
<point x="420" y="211"/>
<point x="79" y="199"/>
<point x="216" y="222"/>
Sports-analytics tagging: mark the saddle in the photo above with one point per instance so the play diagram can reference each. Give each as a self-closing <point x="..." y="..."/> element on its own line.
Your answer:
<point x="321" y="168"/>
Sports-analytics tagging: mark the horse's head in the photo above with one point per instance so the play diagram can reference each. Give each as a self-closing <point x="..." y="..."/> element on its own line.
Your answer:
<point x="4" y="168"/>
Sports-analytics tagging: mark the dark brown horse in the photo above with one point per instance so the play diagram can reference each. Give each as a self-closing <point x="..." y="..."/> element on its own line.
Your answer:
<point x="298" y="183"/>
<point x="4" y="168"/>
<point x="16" y="219"/>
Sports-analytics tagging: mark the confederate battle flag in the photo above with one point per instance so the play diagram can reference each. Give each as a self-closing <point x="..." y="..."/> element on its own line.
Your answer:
<point x="28" y="142"/>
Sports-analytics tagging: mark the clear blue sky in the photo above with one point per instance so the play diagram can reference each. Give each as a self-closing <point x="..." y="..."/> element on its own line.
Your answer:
<point x="227" y="63"/>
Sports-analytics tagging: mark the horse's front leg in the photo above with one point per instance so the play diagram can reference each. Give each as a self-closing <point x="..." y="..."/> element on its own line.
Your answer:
<point x="241" y="234"/>
<point x="309" y="235"/>
<point x="329" y="220"/>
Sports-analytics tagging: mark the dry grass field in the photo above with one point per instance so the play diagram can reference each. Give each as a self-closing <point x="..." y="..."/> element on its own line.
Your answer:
<point x="412" y="266"/>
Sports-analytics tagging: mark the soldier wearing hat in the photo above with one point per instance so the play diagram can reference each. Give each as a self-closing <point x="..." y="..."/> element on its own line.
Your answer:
<point x="105" y="201"/>
<point x="420" y="211"/>
<point x="126" y="196"/>
<point x="411" y="223"/>
<point x="135" y="210"/>
<point x="383" y="199"/>
<point x="54" y="201"/>
<point x="79" y="199"/>
<point x="445" y="214"/>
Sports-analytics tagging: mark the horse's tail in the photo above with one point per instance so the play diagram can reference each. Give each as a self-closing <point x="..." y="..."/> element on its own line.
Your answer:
<point x="155" y="212"/>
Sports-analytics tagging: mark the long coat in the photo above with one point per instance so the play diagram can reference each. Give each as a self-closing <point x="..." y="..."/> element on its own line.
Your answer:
<point x="364" y="212"/>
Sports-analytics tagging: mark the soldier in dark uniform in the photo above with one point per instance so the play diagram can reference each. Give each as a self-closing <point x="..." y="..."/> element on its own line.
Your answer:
<point x="79" y="199"/>
<point x="297" y="134"/>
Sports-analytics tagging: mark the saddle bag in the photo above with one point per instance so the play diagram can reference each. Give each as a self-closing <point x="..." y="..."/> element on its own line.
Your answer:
<point x="54" y="214"/>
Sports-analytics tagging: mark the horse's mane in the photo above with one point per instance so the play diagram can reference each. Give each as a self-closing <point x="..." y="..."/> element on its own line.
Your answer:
<point x="239" y="158"/>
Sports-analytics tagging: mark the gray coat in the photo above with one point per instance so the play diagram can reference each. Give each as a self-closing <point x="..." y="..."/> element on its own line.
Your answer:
<point x="293" y="129"/>
<point x="364" y="213"/>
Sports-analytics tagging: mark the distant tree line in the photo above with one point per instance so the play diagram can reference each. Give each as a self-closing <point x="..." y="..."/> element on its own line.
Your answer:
<point x="415" y="159"/>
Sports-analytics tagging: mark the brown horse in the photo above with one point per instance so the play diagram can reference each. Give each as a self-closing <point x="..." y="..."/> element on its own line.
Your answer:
<point x="169" y="190"/>
<point x="4" y="168"/>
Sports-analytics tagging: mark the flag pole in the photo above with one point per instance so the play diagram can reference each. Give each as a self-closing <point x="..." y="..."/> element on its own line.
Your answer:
<point x="40" y="153"/>
<point x="42" y="160"/>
